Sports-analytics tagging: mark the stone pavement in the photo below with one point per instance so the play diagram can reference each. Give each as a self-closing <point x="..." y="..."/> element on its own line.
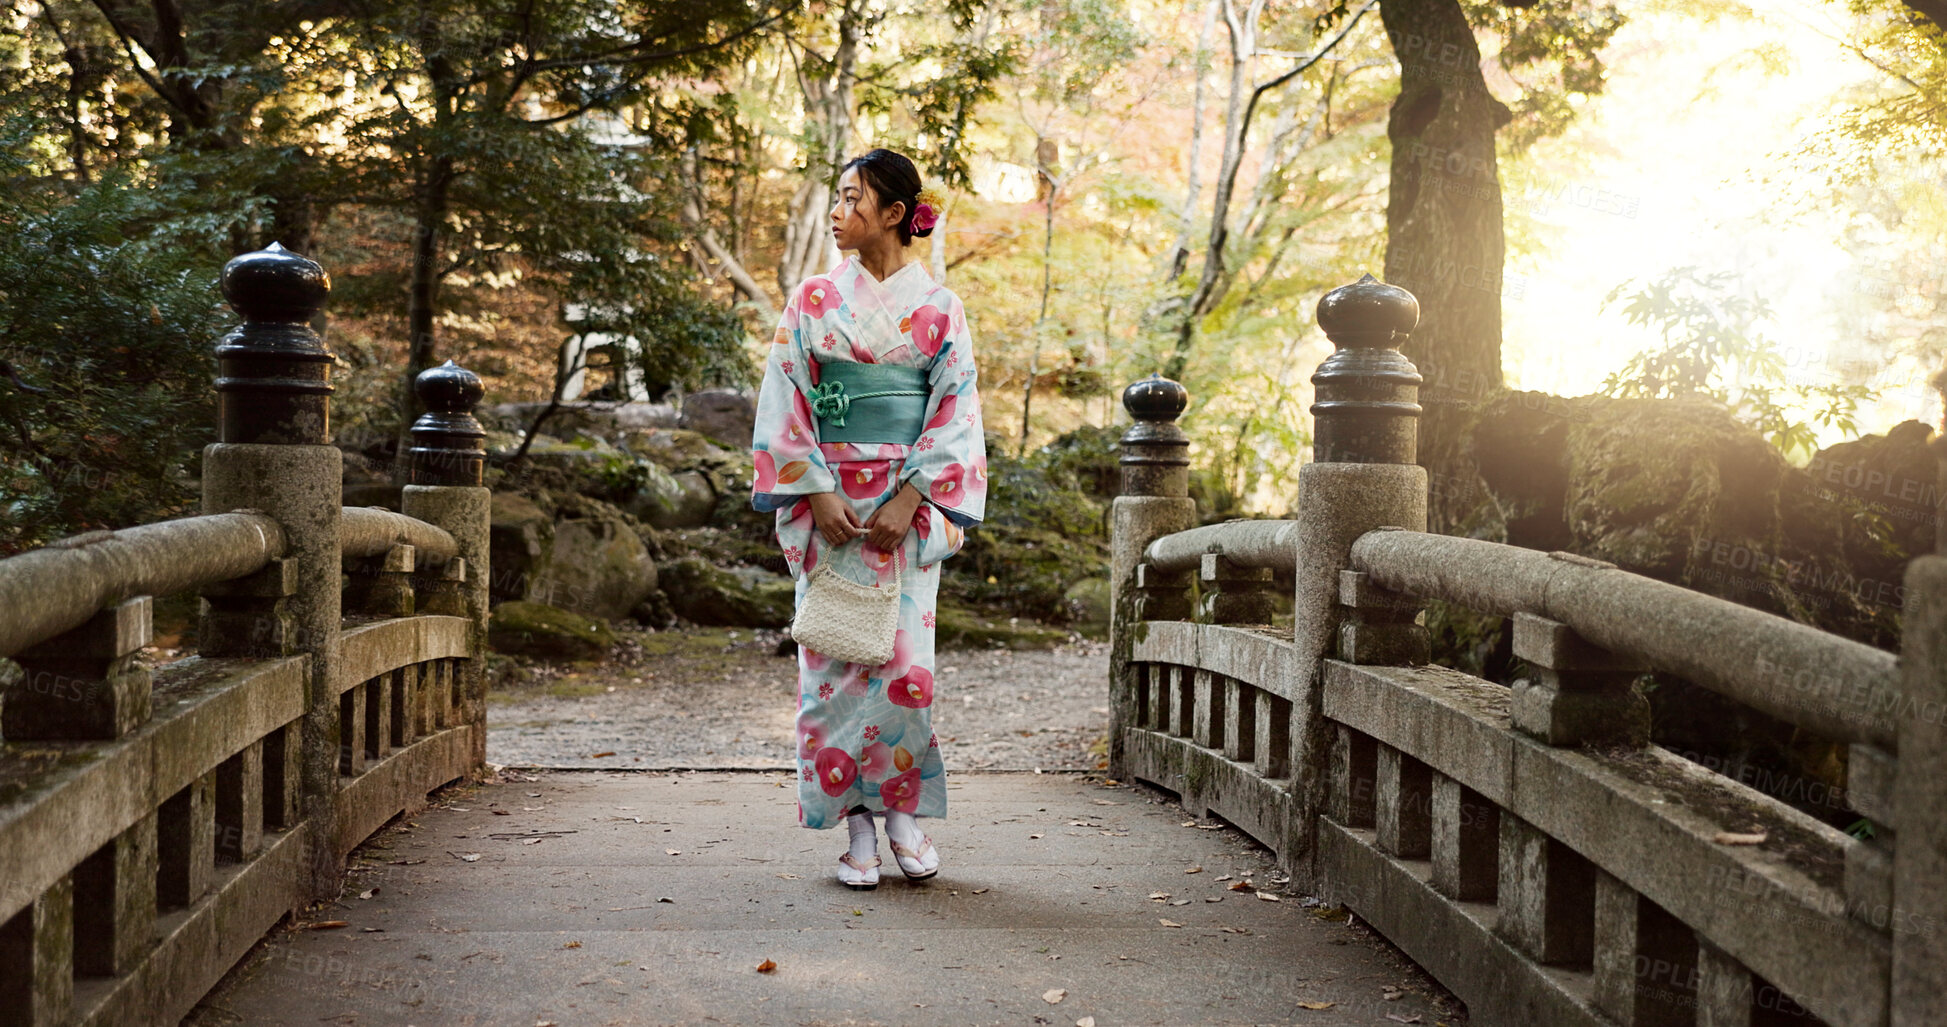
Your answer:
<point x="572" y="898"/>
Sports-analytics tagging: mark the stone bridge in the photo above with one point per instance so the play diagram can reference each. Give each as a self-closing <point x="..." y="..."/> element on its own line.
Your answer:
<point x="1523" y="842"/>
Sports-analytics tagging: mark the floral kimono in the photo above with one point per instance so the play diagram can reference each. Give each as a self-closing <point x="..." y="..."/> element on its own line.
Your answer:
<point x="865" y="734"/>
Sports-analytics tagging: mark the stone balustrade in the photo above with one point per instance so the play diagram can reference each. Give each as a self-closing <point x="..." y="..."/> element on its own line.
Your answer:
<point x="155" y="823"/>
<point x="1523" y="840"/>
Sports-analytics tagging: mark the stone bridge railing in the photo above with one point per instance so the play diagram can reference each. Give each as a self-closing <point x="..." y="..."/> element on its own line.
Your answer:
<point x="154" y="824"/>
<point x="1524" y="842"/>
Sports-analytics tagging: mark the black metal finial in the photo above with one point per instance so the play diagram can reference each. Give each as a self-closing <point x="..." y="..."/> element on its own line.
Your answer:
<point x="1155" y="453"/>
<point x="1367" y="408"/>
<point x="273" y="373"/>
<point x="448" y="445"/>
<point x="1155" y="404"/>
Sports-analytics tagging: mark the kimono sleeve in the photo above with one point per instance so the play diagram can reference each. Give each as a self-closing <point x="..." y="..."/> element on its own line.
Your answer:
<point x="785" y="462"/>
<point x="948" y="463"/>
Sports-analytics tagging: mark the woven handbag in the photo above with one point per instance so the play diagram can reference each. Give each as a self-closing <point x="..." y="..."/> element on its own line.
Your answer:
<point x="847" y="620"/>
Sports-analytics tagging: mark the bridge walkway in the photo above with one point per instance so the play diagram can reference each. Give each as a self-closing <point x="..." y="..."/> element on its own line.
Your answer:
<point x="570" y="898"/>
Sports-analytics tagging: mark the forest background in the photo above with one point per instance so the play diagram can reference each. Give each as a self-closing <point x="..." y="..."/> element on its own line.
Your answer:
<point x="1130" y="187"/>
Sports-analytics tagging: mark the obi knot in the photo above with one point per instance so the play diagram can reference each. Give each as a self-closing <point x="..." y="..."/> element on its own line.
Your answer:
<point x="829" y="402"/>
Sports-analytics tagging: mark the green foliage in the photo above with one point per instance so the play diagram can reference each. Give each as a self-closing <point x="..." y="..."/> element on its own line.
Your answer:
<point x="108" y="316"/>
<point x="1045" y="536"/>
<point x="1713" y="346"/>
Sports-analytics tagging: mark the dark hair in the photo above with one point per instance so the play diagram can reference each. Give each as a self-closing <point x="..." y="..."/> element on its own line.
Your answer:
<point x="893" y="179"/>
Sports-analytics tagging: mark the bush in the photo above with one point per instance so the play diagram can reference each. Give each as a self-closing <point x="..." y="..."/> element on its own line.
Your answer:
<point x="109" y="313"/>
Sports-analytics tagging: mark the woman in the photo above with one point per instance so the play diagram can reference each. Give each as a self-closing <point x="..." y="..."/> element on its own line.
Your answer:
<point x="904" y="469"/>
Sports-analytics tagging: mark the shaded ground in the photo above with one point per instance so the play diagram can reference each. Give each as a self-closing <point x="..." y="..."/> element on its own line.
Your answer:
<point x="718" y="698"/>
<point x="571" y="898"/>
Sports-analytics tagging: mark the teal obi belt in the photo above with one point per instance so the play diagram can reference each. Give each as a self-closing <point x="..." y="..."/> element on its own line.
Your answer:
<point x="870" y="403"/>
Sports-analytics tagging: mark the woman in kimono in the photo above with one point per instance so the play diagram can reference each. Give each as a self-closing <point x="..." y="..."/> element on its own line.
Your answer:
<point x="868" y="427"/>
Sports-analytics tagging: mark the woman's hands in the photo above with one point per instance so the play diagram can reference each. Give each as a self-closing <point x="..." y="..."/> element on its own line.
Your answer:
<point x="887" y="526"/>
<point x="837" y="524"/>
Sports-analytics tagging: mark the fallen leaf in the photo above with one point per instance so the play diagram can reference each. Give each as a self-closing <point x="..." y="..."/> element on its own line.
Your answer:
<point x="1194" y="870"/>
<point x="1226" y="877"/>
<point x="405" y="862"/>
<point x="1236" y="930"/>
<point x="532" y="841"/>
<point x="1179" y="902"/>
<point x="1392" y="994"/>
<point x="1033" y="836"/>
<point x="503" y="813"/>
<point x="1213" y="898"/>
<point x="1054" y="995"/>
<point x="369" y="892"/>
<point x="1316" y="1005"/>
<point x="1158" y="896"/>
<point x="982" y="891"/>
<point x="372" y="930"/>
<point x="599" y="755"/>
<point x="667" y="899"/>
<point x="465" y="857"/>
<point x="1269" y="896"/>
<point x="766" y="966"/>
<point x="320" y="925"/>
<point x="1086" y="1021"/>
<point x="672" y="852"/>
<point x="1240" y="886"/>
<point x="1169" y="923"/>
<point x="1396" y="1018"/>
<point x="571" y="945"/>
<point x="1104" y="802"/>
<point x="1734" y="838"/>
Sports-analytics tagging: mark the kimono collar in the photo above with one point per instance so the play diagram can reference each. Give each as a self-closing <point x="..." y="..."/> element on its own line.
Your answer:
<point x="862" y="277"/>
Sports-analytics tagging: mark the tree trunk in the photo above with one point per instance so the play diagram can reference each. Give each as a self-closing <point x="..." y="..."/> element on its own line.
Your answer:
<point x="423" y="297"/>
<point x="1193" y="190"/>
<point x="808" y="246"/>
<point x="1444" y="239"/>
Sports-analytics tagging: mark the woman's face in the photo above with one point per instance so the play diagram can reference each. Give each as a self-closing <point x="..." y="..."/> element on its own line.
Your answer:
<point x="857" y="218"/>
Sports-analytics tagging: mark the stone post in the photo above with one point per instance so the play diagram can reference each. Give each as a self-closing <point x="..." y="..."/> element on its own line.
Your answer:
<point x="1154" y="501"/>
<point x="448" y="460"/>
<point x="1918" y="916"/>
<point x="274" y="455"/>
<point x="1362" y="477"/>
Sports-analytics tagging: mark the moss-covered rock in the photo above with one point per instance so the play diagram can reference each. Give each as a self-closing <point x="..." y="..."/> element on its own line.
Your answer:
<point x="703" y="593"/>
<point x="1089" y="601"/>
<point x="520" y="536"/>
<point x="523" y="628"/>
<point x="666" y="500"/>
<point x="1040" y="537"/>
<point x="961" y="628"/>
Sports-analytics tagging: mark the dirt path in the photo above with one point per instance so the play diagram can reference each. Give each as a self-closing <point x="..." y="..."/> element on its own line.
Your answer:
<point x="721" y="698"/>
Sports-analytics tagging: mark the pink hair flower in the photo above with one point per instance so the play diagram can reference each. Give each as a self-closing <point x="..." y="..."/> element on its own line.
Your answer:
<point x="924" y="217"/>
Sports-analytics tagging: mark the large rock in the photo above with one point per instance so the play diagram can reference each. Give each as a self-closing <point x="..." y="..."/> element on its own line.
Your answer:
<point x="520" y="537"/>
<point x="726" y="415"/>
<point x="597" y="566"/>
<point x="679" y="449"/>
<point x="522" y="628"/>
<point x="667" y="501"/>
<point x="703" y="593"/>
<point x="574" y="552"/>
